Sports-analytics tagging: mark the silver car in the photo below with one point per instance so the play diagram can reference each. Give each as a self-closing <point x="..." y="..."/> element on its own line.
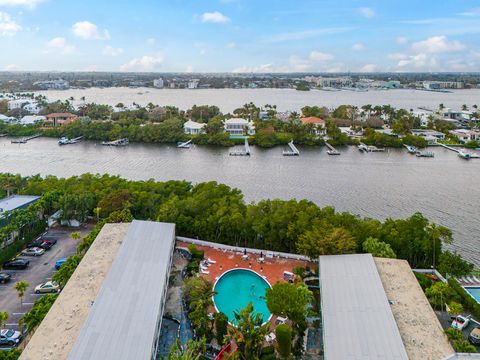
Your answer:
<point x="33" y="251"/>
<point x="10" y="337"/>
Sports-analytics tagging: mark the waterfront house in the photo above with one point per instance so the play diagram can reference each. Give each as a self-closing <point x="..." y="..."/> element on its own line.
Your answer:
<point x="430" y="135"/>
<point x="32" y="107"/>
<point x="32" y="119"/>
<point x="193" y="128"/>
<point x="58" y="119"/>
<point x="319" y="124"/>
<point x="239" y="127"/>
<point x="17" y="104"/>
<point x="7" y="119"/>
<point x="466" y="135"/>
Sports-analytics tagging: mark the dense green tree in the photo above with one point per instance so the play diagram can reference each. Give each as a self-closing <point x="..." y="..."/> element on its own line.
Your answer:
<point x="283" y="334"/>
<point x="378" y="248"/>
<point x="221" y="327"/>
<point x="39" y="310"/>
<point x="453" y="264"/>
<point x="192" y="350"/>
<point x="199" y="292"/>
<point x="249" y="334"/>
<point x="21" y="288"/>
<point x="322" y="241"/>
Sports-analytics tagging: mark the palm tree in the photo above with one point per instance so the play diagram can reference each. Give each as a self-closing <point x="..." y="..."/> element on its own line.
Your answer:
<point x="76" y="235"/>
<point x="21" y="288"/>
<point x="192" y="350"/>
<point x="464" y="107"/>
<point x="249" y="334"/>
<point x="437" y="235"/>
<point x="3" y="318"/>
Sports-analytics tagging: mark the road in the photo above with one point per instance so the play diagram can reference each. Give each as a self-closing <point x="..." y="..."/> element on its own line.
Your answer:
<point x="41" y="269"/>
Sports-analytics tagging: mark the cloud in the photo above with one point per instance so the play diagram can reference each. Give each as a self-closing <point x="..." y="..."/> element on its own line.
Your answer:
<point x="419" y="61"/>
<point x="397" y="56"/>
<point x="59" y="43"/>
<point x="215" y="17"/>
<point x="88" y="31"/>
<point x="11" y="67"/>
<point x="8" y="27"/>
<point x="300" y="35"/>
<point x="320" y="56"/>
<point x="91" y="68"/>
<point x="111" y="51"/>
<point x="358" y="47"/>
<point x="366" y="12"/>
<point x="471" y="12"/>
<point x="144" y="63"/>
<point x="437" y="44"/>
<point x="25" y="3"/>
<point x="401" y="40"/>
<point x="368" y="68"/>
<point x="231" y="45"/>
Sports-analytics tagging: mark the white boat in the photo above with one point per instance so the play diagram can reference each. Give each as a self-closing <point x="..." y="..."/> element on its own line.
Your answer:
<point x="411" y="149"/>
<point x="362" y="147"/>
<point x="333" y="152"/>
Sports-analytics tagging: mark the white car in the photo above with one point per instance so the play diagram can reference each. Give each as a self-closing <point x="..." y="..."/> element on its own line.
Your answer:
<point x="33" y="251"/>
<point x="48" y="287"/>
<point x="460" y="322"/>
<point x="9" y="337"/>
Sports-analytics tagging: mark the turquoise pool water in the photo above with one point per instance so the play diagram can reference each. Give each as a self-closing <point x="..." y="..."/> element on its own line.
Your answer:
<point x="236" y="288"/>
<point x="475" y="292"/>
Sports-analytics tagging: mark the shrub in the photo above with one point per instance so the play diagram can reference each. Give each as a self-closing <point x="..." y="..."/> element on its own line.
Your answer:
<point x="467" y="301"/>
<point x="196" y="253"/>
<point x="284" y="340"/>
<point x="221" y="325"/>
<point x="424" y="281"/>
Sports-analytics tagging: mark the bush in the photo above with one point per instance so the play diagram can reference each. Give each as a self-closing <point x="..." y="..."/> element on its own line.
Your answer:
<point x="221" y="325"/>
<point x="284" y="340"/>
<point x="13" y="354"/>
<point x="192" y="267"/>
<point x="424" y="281"/>
<point x="196" y="253"/>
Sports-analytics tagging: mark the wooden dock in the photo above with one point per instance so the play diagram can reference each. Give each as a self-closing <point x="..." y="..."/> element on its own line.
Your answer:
<point x="463" y="154"/>
<point x="293" y="150"/>
<point x="245" y="152"/>
<point x="185" y="145"/>
<point x="331" y="150"/>
<point x="25" y="139"/>
<point x="119" y="142"/>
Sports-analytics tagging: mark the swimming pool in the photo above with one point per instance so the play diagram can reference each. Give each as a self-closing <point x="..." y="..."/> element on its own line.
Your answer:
<point x="474" y="291"/>
<point x="238" y="287"/>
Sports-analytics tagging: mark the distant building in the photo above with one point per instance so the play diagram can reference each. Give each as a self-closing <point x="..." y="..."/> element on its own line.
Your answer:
<point x="239" y="127"/>
<point x="430" y="135"/>
<point x="442" y="85"/>
<point x="466" y="135"/>
<point x="7" y="119"/>
<point x="32" y="107"/>
<point x="58" y="119"/>
<point x="193" y="128"/>
<point x="158" y="83"/>
<point x="318" y="123"/>
<point x="32" y="119"/>
<point x="11" y="203"/>
<point x="193" y="84"/>
<point x="17" y="104"/>
<point x="58" y="84"/>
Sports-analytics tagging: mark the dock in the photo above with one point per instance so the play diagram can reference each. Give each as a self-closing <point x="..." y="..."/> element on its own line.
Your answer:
<point x="25" y="139"/>
<point x="119" y="142"/>
<point x="245" y="152"/>
<point x="369" y="148"/>
<point x="293" y="150"/>
<point x="184" y="145"/>
<point x="331" y="150"/>
<point x="463" y="154"/>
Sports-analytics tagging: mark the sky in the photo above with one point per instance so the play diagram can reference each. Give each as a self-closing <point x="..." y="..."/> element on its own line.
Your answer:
<point x="240" y="35"/>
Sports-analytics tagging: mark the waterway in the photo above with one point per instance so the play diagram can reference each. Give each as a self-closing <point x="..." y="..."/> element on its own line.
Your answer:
<point x="285" y="99"/>
<point x="378" y="185"/>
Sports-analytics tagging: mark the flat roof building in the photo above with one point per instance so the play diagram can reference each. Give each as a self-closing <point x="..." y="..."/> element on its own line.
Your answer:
<point x="357" y="319"/>
<point x="16" y="202"/>
<point x="112" y="307"/>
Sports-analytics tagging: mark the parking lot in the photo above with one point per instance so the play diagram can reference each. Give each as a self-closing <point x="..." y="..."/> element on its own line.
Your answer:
<point x="40" y="270"/>
<point x="446" y="321"/>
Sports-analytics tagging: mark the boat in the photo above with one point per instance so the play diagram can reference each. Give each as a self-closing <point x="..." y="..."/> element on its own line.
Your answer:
<point x="411" y="149"/>
<point x="362" y="147"/>
<point x="66" y="141"/>
<point x="184" y="145"/>
<point x="19" y="141"/>
<point x="465" y="155"/>
<point x="333" y="152"/>
<point x="427" y="154"/>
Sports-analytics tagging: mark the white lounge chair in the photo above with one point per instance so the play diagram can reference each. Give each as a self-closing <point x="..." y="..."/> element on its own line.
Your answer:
<point x="476" y="279"/>
<point x="270" y="337"/>
<point x="210" y="261"/>
<point x="204" y="272"/>
<point x="281" y="320"/>
<point x="261" y="260"/>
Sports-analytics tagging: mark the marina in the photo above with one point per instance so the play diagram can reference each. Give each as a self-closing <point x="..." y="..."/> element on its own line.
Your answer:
<point x="293" y="150"/>
<point x="119" y="142"/>
<point x="461" y="153"/>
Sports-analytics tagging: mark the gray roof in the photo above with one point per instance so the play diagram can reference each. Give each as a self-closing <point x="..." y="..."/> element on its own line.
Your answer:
<point x="16" y="201"/>
<point x="124" y="320"/>
<point x="357" y="320"/>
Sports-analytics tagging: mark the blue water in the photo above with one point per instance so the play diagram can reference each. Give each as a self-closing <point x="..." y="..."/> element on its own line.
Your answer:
<point x="475" y="292"/>
<point x="236" y="288"/>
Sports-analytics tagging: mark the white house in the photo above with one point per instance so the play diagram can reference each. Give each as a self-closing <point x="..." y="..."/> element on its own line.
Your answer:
<point x="32" y="119"/>
<point x="193" y="128"/>
<point x="17" y="104"/>
<point x="466" y="135"/>
<point x="32" y="107"/>
<point x="430" y="135"/>
<point x="239" y="127"/>
<point x="7" y="119"/>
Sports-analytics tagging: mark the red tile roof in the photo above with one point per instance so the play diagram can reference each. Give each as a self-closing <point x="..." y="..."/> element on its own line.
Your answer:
<point x="56" y="115"/>
<point x="312" y="120"/>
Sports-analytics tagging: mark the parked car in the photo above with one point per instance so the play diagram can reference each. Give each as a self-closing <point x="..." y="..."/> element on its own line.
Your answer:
<point x="460" y="322"/>
<point x="59" y="263"/>
<point x="10" y="337"/>
<point x="4" y="277"/>
<point x="16" y="264"/>
<point x="33" y="251"/>
<point x="48" y="287"/>
<point x="474" y="336"/>
<point x="42" y="243"/>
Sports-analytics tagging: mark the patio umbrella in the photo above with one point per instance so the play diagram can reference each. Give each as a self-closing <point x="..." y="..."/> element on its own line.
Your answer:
<point x="245" y="252"/>
<point x="261" y="254"/>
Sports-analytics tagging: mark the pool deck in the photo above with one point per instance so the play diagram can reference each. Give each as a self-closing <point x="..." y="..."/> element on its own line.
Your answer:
<point x="271" y="269"/>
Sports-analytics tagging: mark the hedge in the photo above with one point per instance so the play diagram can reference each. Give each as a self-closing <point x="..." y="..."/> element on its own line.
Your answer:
<point x="468" y="302"/>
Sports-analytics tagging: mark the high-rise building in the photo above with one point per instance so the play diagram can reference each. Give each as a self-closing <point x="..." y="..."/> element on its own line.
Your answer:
<point x="158" y="83"/>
